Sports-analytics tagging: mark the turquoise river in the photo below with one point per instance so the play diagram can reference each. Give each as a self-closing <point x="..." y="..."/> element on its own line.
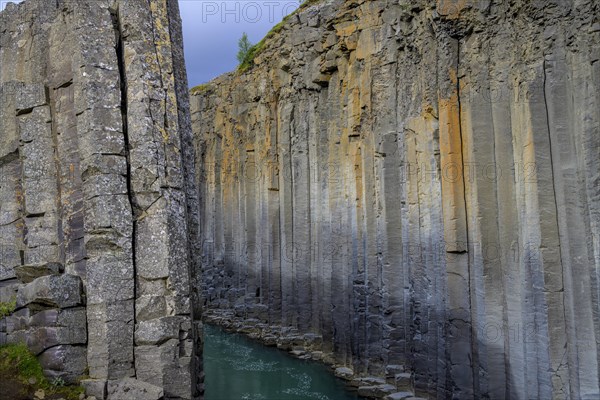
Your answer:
<point x="238" y="368"/>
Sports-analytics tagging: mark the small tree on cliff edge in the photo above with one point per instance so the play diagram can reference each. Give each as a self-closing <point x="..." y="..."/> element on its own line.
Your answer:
<point x="244" y="46"/>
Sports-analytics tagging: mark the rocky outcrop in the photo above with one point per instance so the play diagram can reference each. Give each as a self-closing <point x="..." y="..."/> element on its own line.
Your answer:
<point x="98" y="211"/>
<point x="418" y="183"/>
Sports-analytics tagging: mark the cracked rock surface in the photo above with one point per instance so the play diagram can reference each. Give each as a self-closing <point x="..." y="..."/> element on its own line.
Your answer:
<point x="419" y="183"/>
<point x="98" y="211"/>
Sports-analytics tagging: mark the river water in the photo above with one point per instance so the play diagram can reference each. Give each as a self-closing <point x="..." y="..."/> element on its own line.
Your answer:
<point x="238" y="368"/>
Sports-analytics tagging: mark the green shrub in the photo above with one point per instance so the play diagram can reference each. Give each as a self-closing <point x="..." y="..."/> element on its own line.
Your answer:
<point x="19" y="358"/>
<point x="244" y="47"/>
<point x="58" y="382"/>
<point x="7" y="308"/>
<point x="19" y="366"/>
<point x="247" y="62"/>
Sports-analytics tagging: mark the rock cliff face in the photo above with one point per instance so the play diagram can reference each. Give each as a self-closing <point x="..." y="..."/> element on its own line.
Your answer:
<point x="98" y="213"/>
<point x="419" y="183"/>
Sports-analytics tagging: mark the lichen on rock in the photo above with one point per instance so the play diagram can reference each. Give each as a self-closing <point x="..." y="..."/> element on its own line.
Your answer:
<point x="95" y="198"/>
<point x="417" y="182"/>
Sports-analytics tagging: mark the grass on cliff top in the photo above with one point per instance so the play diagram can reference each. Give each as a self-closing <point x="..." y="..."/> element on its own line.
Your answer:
<point x="258" y="48"/>
<point x="203" y="88"/>
<point x="21" y="376"/>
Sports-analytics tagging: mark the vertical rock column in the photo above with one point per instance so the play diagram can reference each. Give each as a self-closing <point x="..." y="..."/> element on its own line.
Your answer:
<point x="455" y="218"/>
<point x="109" y="234"/>
<point x="157" y="194"/>
<point x="99" y="212"/>
<point x="48" y="316"/>
<point x="36" y="269"/>
<point x="435" y="201"/>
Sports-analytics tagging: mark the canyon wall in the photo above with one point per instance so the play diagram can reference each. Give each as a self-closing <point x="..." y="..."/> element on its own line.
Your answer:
<point x="98" y="211"/>
<point x="418" y="183"/>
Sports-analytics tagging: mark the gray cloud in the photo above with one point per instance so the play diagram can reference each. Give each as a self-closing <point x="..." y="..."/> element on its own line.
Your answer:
<point x="212" y="28"/>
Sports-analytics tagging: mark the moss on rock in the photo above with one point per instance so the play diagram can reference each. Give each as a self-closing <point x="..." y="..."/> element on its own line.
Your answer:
<point x="22" y="376"/>
<point x="7" y="307"/>
<point x="205" y="87"/>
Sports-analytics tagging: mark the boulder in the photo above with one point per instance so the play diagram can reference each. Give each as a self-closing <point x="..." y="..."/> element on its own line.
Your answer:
<point x="133" y="389"/>
<point x="56" y="291"/>
<point x="377" y="391"/>
<point x="399" y="396"/>
<point x="94" y="387"/>
<point x="28" y="273"/>
<point x="344" y="373"/>
<point x="157" y="331"/>
<point x="66" y="362"/>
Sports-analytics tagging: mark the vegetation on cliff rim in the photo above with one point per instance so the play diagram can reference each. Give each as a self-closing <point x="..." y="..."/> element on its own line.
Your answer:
<point x="308" y="3"/>
<point x="247" y="62"/>
<point x="22" y="375"/>
<point x="205" y="87"/>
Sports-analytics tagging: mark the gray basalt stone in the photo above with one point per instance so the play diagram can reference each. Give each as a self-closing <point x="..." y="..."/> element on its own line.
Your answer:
<point x="49" y="328"/>
<point x="344" y="372"/>
<point x="399" y="396"/>
<point x="8" y="291"/>
<point x="94" y="387"/>
<point x="28" y="273"/>
<point x="151" y="307"/>
<point x="97" y="189"/>
<point x="30" y="95"/>
<point x="133" y="389"/>
<point x="377" y="391"/>
<point x="417" y="182"/>
<point x="154" y="363"/>
<point x="52" y="291"/>
<point x="157" y="331"/>
<point x="66" y="362"/>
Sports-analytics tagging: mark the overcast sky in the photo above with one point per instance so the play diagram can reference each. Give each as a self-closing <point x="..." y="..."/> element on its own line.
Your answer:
<point x="212" y="28"/>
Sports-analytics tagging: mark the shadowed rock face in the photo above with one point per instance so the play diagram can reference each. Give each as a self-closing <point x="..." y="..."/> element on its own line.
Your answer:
<point x="418" y="182"/>
<point x="98" y="212"/>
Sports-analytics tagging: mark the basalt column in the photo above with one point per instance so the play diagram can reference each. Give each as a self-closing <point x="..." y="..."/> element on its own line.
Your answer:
<point x="416" y="184"/>
<point x="98" y="212"/>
